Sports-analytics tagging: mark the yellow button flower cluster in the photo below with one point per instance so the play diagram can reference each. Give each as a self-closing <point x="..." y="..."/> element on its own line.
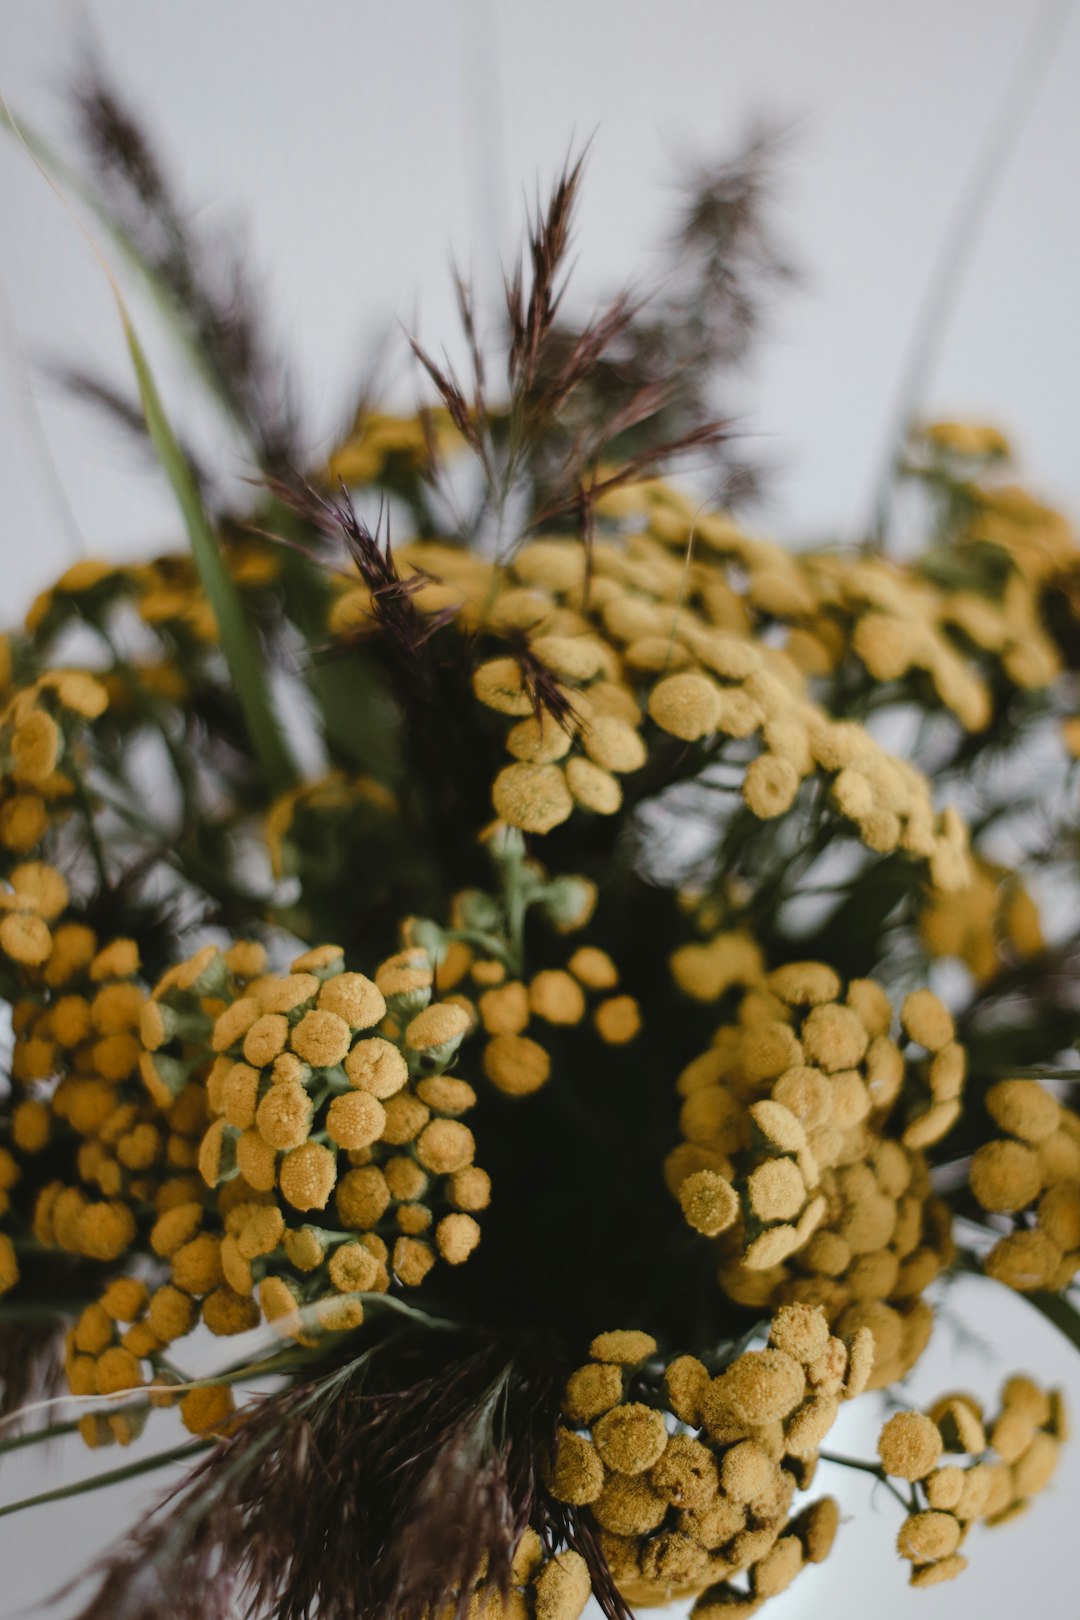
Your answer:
<point x="33" y="897"/>
<point x="129" y="1325"/>
<point x="690" y="1477"/>
<point x="948" y="642"/>
<point x="380" y="443"/>
<point x="1034" y="1167"/>
<point x="519" y="1017"/>
<point x="1009" y="1459"/>
<point x="706" y="970"/>
<point x="941" y="638"/>
<point x="803" y="1126"/>
<point x="989" y="925"/>
<point x="322" y="1088"/>
<point x="592" y="641"/>
<point x="327" y="1090"/>
<point x="82" y="1109"/>
<point x="542" y="1587"/>
<point x="39" y="728"/>
<point x="165" y="592"/>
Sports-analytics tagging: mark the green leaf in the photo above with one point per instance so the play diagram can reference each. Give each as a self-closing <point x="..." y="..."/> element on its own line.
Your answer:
<point x="238" y="640"/>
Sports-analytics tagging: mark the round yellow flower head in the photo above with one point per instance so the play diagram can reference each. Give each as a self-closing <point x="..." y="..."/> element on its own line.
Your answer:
<point x="515" y="1064"/>
<point x="909" y="1446"/>
<point x="535" y="798"/>
<point x="207" y="1410"/>
<point x="686" y="706"/>
<point x="9" y="1265"/>
<point x="439" y="1028"/>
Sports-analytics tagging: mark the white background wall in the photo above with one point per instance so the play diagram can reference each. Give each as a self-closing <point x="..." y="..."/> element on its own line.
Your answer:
<point x="358" y="142"/>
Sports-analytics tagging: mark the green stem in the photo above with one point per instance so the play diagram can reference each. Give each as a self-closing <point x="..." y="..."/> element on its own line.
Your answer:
<point x="115" y="1476"/>
<point x="34" y="1437"/>
<point x="82" y="799"/>
<point x="852" y="1462"/>
<point x="489" y="943"/>
<point x="238" y="641"/>
<point x="1039" y="1071"/>
<point x="516" y="906"/>
<point x="866" y="1468"/>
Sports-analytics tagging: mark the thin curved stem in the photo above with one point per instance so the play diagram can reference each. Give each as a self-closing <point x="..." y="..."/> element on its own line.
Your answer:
<point x="866" y="1468"/>
<point x="115" y="1476"/>
<point x="959" y="243"/>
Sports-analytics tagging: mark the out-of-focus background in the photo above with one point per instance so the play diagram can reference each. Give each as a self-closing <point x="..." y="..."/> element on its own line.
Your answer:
<point x="357" y="145"/>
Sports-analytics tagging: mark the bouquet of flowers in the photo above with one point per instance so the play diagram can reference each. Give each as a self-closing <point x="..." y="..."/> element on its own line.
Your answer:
<point x="558" y="979"/>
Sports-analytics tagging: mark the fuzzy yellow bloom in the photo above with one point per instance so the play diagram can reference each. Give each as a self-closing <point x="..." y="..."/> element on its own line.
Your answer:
<point x="355" y="1120"/>
<point x="687" y="706"/>
<point x="617" y="1020"/>
<point x="9" y="1265"/>
<point x="663" y="1501"/>
<point x="377" y="1066"/>
<point x="516" y="1064"/>
<point x="307" y="1176"/>
<point x="909" y="1446"/>
<point x="207" y="1410"/>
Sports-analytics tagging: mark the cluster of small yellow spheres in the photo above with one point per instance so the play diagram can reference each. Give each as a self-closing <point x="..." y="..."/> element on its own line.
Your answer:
<point x="690" y="1478"/>
<point x="1034" y="1167"/>
<point x="36" y="790"/>
<point x="669" y="618"/>
<point x="379" y="440"/>
<point x="35" y="895"/>
<point x="541" y="1588"/>
<point x="325" y="1084"/>
<point x="165" y="593"/>
<point x="988" y="925"/>
<point x="627" y="628"/>
<point x="75" y="1063"/>
<point x="518" y="1063"/>
<point x="1011" y="1459"/>
<point x="237" y="1104"/>
<point x="233" y="1106"/>
<point x="794" y="1159"/>
<point x="897" y="620"/>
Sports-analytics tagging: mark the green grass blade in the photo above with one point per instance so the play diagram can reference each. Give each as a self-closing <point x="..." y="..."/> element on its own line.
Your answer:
<point x="115" y="1476"/>
<point x="37" y="1437"/>
<point x="238" y="640"/>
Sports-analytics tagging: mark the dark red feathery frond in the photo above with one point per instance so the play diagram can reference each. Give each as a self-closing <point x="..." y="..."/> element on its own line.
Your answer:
<point x="532" y="316"/>
<point x="375" y="1491"/>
